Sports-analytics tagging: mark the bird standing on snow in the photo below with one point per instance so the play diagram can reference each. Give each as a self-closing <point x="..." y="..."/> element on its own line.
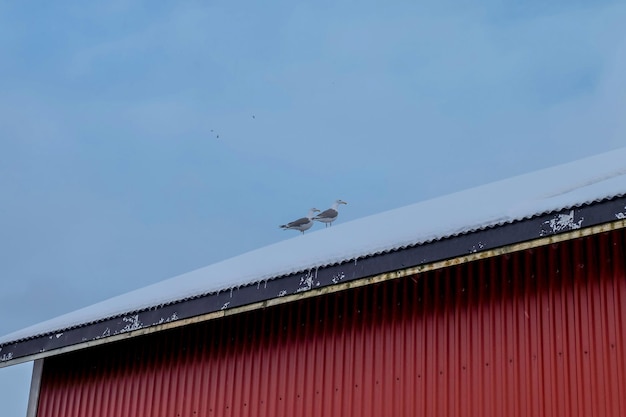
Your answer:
<point x="303" y="223"/>
<point x="329" y="216"/>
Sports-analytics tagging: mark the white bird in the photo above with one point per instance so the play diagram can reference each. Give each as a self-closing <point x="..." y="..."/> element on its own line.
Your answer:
<point x="303" y="223"/>
<point x="329" y="216"/>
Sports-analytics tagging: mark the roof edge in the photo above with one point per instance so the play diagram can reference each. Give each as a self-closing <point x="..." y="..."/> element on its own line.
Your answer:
<point x="541" y="230"/>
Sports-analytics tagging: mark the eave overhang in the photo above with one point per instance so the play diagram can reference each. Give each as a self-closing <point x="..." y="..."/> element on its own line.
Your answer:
<point x="569" y="223"/>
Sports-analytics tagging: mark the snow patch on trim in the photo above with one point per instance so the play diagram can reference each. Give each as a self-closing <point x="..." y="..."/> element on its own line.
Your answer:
<point x="307" y="282"/>
<point x="339" y="277"/>
<point x="561" y="223"/>
<point x="169" y="319"/>
<point x="133" y="323"/>
<point x="477" y="247"/>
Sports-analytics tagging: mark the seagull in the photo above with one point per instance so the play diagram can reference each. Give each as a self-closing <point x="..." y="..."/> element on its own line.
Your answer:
<point x="303" y="223"/>
<point x="329" y="216"/>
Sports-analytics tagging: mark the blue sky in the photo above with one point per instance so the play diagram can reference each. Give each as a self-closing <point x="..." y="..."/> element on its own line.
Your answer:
<point x="113" y="178"/>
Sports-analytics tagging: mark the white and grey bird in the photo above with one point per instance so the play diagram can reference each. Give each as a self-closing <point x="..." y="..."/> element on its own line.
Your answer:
<point x="303" y="223"/>
<point x="330" y="215"/>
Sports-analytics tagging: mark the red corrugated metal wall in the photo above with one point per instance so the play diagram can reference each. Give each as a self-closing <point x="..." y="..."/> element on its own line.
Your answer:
<point x="536" y="333"/>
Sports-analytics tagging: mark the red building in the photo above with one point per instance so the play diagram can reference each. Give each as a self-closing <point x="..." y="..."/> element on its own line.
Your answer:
<point x="516" y="306"/>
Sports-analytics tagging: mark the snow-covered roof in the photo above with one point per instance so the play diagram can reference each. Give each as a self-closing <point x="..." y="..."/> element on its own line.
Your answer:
<point x="569" y="185"/>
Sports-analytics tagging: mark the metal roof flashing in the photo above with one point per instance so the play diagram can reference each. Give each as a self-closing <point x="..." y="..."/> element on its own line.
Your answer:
<point x="492" y="240"/>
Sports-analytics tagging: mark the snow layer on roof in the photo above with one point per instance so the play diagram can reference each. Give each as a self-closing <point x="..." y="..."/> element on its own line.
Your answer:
<point x="542" y="191"/>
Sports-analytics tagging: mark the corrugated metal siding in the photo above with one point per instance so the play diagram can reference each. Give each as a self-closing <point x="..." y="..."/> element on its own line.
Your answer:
<point x="536" y="333"/>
